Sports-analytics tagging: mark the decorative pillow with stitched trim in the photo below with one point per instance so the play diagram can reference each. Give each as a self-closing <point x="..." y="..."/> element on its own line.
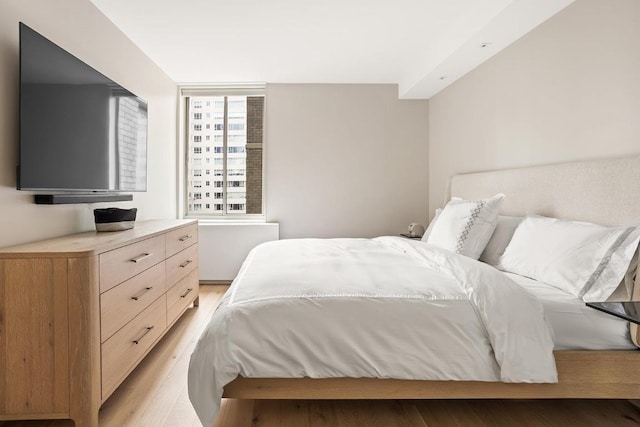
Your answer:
<point x="465" y="226"/>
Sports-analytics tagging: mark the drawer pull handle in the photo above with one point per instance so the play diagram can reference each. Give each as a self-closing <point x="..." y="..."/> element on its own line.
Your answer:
<point x="147" y="330"/>
<point x="142" y="292"/>
<point x="186" y="293"/>
<point x="185" y="238"/>
<point x="140" y="257"/>
<point x="184" y="264"/>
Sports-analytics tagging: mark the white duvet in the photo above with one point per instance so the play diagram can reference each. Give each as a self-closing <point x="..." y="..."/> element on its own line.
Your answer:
<point x="383" y="308"/>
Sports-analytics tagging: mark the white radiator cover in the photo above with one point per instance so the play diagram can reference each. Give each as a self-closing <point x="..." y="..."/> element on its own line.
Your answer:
<point x="224" y="246"/>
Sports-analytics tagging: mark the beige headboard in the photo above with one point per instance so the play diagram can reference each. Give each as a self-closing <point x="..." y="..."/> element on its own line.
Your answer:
<point x="605" y="192"/>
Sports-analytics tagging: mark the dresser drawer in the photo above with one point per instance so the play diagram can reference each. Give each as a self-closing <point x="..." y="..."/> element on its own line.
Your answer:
<point x="181" y="295"/>
<point x="121" y="352"/>
<point x="120" y="264"/>
<point x="181" y="238"/>
<point x="181" y="264"/>
<point x="122" y="303"/>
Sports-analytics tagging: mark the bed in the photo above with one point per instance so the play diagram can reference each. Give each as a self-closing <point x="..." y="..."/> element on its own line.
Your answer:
<point x="603" y="192"/>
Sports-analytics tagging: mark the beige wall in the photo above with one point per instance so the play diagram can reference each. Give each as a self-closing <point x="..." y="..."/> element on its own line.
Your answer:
<point x="344" y="160"/>
<point x="78" y="27"/>
<point x="569" y="90"/>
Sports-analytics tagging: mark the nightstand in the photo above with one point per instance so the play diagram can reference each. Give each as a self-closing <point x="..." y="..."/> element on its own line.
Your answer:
<point x="407" y="236"/>
<point x="627" y="310"/>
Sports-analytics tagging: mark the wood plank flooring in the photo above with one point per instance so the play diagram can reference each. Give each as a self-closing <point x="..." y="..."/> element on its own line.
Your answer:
<point x="155" y="395"/>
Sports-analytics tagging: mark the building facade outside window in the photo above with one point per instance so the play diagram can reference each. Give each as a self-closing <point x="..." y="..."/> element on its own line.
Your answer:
<point x="225" y="132"/>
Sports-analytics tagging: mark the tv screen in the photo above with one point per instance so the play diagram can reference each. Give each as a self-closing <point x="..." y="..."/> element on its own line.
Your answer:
<point x="79" y="130"/>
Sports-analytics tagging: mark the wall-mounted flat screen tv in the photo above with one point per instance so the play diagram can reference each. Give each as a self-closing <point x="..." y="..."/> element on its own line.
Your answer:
<point x="79" y="130"/>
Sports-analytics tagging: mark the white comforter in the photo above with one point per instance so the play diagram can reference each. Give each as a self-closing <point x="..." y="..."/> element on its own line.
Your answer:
<point x="384" y="308"/>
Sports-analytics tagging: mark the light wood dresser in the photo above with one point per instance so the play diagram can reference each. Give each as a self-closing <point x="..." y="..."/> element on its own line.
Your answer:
<point x="79" y="312"/>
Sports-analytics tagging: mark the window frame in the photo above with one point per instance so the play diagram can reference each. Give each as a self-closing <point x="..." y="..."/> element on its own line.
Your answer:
<point x="184" y="93"/>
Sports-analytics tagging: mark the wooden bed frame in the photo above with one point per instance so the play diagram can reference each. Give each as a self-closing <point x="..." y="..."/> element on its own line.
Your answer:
<point x="602" y="191"/>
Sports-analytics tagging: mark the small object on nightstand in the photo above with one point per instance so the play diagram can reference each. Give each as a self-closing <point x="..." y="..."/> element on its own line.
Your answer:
<point x="114" y="219"/>
<point x="415" y="230"/>
<point x="627" y="310"/>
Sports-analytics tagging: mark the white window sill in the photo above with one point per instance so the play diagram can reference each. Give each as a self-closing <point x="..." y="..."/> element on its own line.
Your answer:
<point x="232" y="221"/>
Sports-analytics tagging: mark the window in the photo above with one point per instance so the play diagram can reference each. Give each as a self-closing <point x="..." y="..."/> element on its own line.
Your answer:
<point x="236" y="161"/>
<point x="236" y="206"/>
<point x="232" y="150"/>
<point x="237" y="138"/>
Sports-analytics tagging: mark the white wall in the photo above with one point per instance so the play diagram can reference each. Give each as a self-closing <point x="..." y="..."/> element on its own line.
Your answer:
<point x="78" y="27"/>
<point x="569" y="90"/>
<point x="344" y="160"/>
<point x="223" y="247"/>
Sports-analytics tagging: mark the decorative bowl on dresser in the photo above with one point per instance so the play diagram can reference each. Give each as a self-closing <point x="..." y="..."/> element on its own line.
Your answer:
<point x="79" y="312"/>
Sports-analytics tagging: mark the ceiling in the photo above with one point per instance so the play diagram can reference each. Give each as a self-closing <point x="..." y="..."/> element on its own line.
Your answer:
<point x="422" y="45"/>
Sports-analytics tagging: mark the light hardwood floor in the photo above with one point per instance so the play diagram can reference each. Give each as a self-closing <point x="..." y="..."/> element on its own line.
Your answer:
<point x="155" y="395"/>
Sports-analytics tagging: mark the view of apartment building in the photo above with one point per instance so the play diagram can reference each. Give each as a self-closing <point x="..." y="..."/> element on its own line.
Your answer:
<point x="223" y="176"/>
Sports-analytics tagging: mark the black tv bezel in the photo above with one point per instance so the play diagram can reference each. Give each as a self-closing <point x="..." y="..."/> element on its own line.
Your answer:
<point x="78" y="195"/>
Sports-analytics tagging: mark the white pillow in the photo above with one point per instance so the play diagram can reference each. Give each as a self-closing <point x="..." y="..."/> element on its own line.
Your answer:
<point x="500" y="238"/>
<point x="465" y="226"/>
<point x="624" y="291"/>
<point x="586" y="260"/>
<point x="427" y="232"/>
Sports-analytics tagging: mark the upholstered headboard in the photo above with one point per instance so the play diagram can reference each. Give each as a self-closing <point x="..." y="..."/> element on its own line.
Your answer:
<point x="604" y="192"/>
